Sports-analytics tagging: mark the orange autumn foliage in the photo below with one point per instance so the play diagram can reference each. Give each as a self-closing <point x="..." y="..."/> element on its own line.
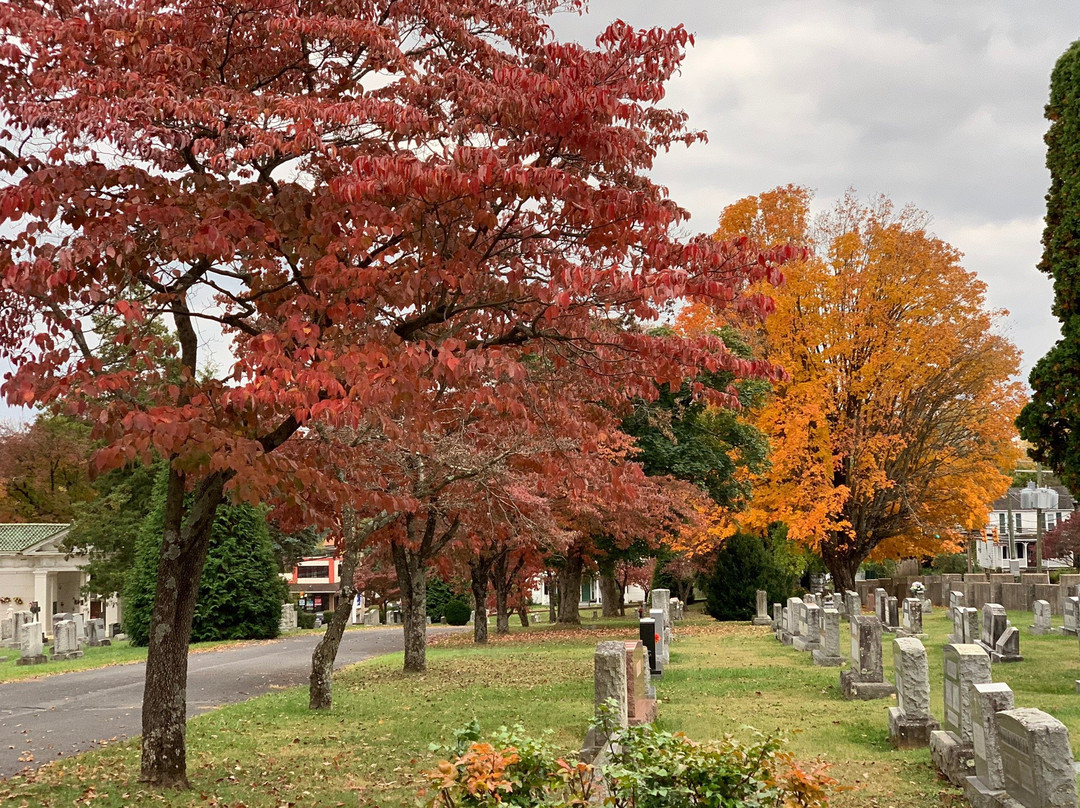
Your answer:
<point x="890" y="436"/>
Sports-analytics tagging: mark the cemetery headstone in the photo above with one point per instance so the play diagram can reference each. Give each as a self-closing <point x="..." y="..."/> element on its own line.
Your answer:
<point x="1041" y="608"/>
<point x="951" y="749"/>
<point x="828" y="655"/>
<point x="865" y="679"/>
<point x="95" y="633"/>
<point x="972" y="627"/>
<point x="881" y="605"/>
<point x="777" y="616"/>
<point x="66" y="640"/>
<point x="662" y="654"/>
<point x="987" y="785"/>
<point x="853" y="603"/>
<point x="1036" y="759"/>
<point x="809" y="635"/>
<point x="999" y="638"/>
<point x="647" y="634"/>
<point x="911" y="625"/>
<point x="31" y="648"/>
<point x="910" y="722"/>
<point x="956" y="599"/>
<point x="1070" y="611"/>
<point x="892" y="615"/>
<point x="762" y="617"/>
<point x="640" y="707"/>
<point x="609" y="692"/>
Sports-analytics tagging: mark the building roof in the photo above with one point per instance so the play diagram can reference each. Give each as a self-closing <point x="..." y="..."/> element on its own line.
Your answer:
<point x="17" y="538"/>
<point x="1065" y="500"/>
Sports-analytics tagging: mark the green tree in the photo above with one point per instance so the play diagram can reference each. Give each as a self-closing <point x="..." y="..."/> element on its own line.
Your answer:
<point x="106" y="528"/>
<point x="746" y="563"/>
<point x="1051" y="420"/>
<point x="240" y="592"/>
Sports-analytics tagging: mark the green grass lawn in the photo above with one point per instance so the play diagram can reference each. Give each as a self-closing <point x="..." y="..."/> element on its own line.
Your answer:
<point x="373" y="747"/>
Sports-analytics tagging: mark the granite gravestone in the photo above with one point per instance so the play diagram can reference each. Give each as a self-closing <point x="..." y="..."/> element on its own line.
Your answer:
<point x="1041" y="609"/>
<point x="951" y="747"/>
<point x="985" y="788"/>
<point x="910" y="722"/>
<point x="865" y="679"/>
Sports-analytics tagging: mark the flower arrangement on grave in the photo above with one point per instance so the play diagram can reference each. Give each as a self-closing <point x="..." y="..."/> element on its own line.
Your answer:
<point x="917" y="589"/>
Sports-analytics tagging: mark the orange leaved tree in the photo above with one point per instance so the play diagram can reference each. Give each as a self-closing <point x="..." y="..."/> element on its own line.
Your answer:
<point x="890" y="436"/>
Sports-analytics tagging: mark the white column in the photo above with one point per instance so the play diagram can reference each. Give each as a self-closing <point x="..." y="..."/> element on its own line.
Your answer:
<point x="41" y="595"/>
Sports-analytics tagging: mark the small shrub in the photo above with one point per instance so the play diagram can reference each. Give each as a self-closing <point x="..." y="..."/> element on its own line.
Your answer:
<point x="457" y="611"/>
<point x="650" y="769"/>
<point x="948" y="563"/>
<point x="327" y="616"/>
<point x="879" y="569"/>
<point x="305" y="619"/>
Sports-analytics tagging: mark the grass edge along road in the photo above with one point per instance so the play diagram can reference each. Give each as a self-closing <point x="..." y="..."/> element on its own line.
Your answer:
<point x="373" y="746"/>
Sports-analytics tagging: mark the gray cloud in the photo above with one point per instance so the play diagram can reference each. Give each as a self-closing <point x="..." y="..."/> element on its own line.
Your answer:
<point x="935" y="104"/>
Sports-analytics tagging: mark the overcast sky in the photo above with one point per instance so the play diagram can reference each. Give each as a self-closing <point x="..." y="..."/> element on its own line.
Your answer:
<point x="937" y="104"/>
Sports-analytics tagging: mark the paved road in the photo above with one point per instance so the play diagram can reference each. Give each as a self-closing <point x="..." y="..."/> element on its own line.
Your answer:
<point x="69" y="713"/>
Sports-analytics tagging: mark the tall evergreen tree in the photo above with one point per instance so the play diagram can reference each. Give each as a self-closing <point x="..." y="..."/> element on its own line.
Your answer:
<point x="1051" y="421"/>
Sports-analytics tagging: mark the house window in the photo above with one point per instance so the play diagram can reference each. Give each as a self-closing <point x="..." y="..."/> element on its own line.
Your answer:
<point x="1019" y="524"/>
<point x="321" y="571"/>
<point x="1002" y="527"/>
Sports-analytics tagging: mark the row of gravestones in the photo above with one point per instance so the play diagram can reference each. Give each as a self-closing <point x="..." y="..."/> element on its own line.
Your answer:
<point x="623" y="673"/>
<point x="71" y="632"/>
<point x="1001" y="756"/>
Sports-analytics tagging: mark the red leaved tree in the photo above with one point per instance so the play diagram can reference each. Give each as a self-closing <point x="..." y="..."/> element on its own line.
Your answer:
<point x="341" y="205"/>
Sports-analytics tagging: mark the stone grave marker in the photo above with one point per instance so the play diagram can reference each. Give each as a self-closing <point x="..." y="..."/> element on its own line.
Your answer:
<point x="972" y="627"/>
<point x="956" y="599"/>
<point x="881" y="606"/>
<point x="777" y="617"/>
<point x="994" y="621"/>
<point x="31" y="648"/>
<point x="910" y="722"/>
<point x="95" y="633"/>
<point x="80" y="628"/>
<point x="66" y="640"/>
<point x="762" y="617"/>
<point x="987" y="785"/>
<point x="1041" y="608"/>
<point x="966" y="664"/>
<point x="1036" y="759"/>
<point x="21" y="619"/>
<point x="809" y="635"/>
<point x="640" y="707"/>
<point x="865" y="679"/>
<point x="7" y="630"/>
<point x="828" y="655"/>
<point x="609" y="690"/>
<point x="911" y="625"/>
<point x="853" y="603"/>
<point x="662" y="654"/>
<point x="1070" y="612"/>
<point x="794" y="607"/>
<point x="1007" y="648"/>
<point x="957" y="636"/>
<point x="647" y="634"/>
<point x="661" y="599"/>
<point x="288" y="621"/>
<point x="892" y="615"/>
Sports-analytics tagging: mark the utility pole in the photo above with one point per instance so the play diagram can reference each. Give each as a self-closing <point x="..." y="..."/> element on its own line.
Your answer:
<point x="1038" y="520"/>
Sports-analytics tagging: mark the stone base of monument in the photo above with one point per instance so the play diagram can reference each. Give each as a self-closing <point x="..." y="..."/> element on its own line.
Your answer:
<point x="952" y="757"/>
<point x="1066" y="630"/>
<point x="979" y="796"/>
<point x="852" y="688"/>
<point x="1040" y="630"/>
<point x="903" y="632"/>
<point x="910" y="733"/>
<point x="68" y="655"/>
<point x="786" y="638"/>
<point x="644" y="712"/>
<point x="804" y="644"/>
<point x="37" y="659"/>
<point x="761" y="621"/>
<point x="823" y="660"/>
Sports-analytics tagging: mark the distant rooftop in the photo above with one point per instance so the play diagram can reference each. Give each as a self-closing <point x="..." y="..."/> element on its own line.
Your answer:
<point x="15" y="538"/>
<point x="1065" y="499"/>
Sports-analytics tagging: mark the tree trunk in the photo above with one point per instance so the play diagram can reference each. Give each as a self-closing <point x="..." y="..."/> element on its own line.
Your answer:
<point x="570" y="588"/>
<point x="412" y="580"/>
<point x="609" y="592"/>
<point x="842" y="566"/>
<point x="320" y="695"/>
<point x="183" y="555"/>
<point x="523" y="615"/>
<point x="502" y="593"/>
<point x="480" y="570"/>
<point x="553" y="597"/>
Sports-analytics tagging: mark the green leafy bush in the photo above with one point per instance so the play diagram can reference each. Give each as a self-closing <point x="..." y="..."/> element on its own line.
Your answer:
<point x="240" y="592"/>
<point x="327" y="616"/>
<point x="457" y="611"/>
<point x="648" y="769"/>
<point x="885" y="568"/>
<point x="439" y="594"/>
<point x="746" y="563"/>
<point x="949" y="563"/>
<point x="305" y="619"/>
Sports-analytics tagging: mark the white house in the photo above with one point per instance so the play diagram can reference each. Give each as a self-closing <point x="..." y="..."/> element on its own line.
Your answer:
<point x="590" y="592"/>
<point x="33" y="569"/>
<point x="993" y="551"/>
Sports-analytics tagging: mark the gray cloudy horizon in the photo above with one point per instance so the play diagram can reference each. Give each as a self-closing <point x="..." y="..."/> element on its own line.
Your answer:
<point x="937" y="105"/>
